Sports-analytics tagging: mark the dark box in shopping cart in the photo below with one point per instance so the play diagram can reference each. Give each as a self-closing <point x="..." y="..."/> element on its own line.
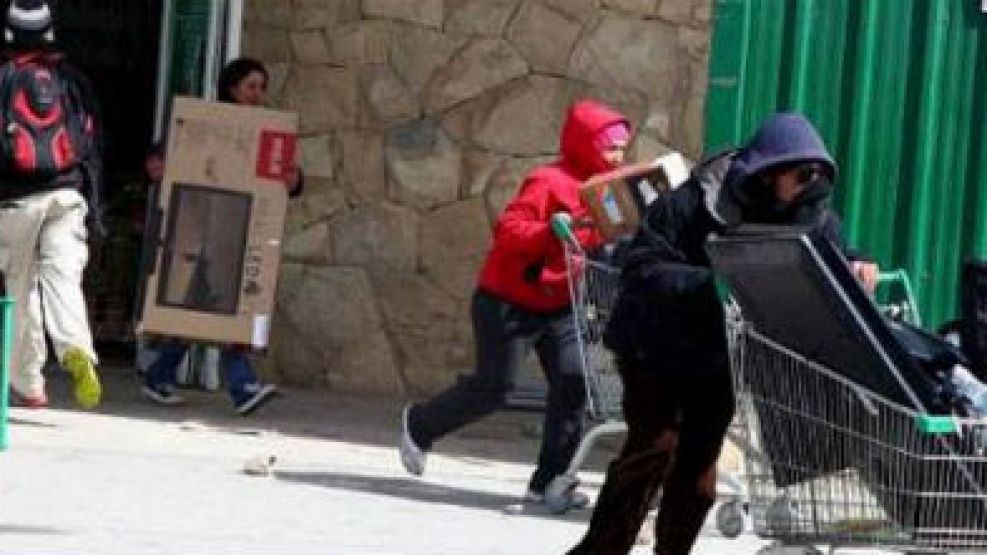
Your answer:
<point x="216" y="231"/>
<point x="797" y="289"/>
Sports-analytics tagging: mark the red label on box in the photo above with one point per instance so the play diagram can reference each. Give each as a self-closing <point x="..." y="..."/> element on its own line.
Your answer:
<point x="277" y="154"/>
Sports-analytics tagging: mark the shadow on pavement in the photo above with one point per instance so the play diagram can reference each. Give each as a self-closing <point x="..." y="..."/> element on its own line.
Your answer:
<point x="28" y="530"/>
<point x="508" y="436"/>
<point x="428" y="492"/>
<point x="14" y="421"/>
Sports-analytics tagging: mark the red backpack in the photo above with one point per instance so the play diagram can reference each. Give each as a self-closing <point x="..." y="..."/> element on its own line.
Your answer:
<point x="44" y="129"/>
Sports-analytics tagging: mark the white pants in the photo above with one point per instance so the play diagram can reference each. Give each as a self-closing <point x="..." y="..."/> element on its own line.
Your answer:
<point x="43" y="252"/>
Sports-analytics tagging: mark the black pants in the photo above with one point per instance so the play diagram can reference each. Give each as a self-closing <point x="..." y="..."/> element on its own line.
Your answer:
<point x="676" y="424"/>
<point x="504" y="336"/>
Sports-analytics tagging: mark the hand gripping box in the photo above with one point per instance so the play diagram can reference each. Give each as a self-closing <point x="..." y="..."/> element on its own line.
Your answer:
<point x="617" y="199"/>
<point x="215" y="235"/>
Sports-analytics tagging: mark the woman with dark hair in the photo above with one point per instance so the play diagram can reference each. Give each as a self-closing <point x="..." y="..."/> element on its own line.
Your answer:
<point x="242" y="81"/>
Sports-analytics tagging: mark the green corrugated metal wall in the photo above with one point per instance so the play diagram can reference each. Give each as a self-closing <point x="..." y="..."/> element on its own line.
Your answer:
<point x="898" y="90"/>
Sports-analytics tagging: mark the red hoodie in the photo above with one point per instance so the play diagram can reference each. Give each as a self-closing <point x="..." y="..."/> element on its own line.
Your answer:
<point x="526" y="265"/>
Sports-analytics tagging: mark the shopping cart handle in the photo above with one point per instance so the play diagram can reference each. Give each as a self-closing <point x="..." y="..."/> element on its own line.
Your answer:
<point x="562" y="227"/>
<point x="910" y="305"/>
<point x="936" y="425"/>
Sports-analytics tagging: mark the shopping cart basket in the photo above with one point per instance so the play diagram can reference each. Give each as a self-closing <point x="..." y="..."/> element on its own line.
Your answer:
<point x="829" y="462"/>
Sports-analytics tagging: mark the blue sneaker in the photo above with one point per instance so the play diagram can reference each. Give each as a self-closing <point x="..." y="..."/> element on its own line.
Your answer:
<point x="252" y="396"/>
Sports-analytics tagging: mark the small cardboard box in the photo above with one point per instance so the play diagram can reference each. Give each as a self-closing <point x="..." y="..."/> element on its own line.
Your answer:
<point x="617" y="198"/>
<point x="215" y="237"/>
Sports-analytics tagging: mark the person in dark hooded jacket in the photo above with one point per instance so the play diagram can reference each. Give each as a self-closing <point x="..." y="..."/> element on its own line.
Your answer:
<point x="522" y="302"/>
<point x="667" y="330"/>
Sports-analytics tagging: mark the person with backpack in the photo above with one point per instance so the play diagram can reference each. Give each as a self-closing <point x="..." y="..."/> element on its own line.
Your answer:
<point x="668" y="335"/>
<point x="522" y="303"/>
<point x="242" y="81"/>
<point x="49" y="186"/>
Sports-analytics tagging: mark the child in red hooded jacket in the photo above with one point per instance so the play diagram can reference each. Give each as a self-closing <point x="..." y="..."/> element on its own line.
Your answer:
<point x="522" y="302"/>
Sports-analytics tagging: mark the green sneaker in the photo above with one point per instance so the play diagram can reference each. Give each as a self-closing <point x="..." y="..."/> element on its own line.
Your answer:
<point x="87" y="388"/>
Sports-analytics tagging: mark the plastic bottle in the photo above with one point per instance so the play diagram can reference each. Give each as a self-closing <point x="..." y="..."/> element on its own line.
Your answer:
<point x="972" y="389"/>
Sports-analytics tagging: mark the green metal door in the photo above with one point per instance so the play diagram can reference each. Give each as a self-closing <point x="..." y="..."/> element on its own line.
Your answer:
<point x="197" y="37"/>
<point x="897" y="88"/>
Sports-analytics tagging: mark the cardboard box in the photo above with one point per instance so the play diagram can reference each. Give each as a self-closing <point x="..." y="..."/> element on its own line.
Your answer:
<point x="617" y="199"/>
<point x="216" y="235"/>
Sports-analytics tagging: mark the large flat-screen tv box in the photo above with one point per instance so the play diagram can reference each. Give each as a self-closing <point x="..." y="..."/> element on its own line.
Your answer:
<point x="215" y="237"/>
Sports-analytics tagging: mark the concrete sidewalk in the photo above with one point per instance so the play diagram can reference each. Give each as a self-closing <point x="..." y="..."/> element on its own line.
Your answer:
<point x="141" y="479"/>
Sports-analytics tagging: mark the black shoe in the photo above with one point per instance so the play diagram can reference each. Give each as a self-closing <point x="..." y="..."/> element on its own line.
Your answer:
<point x="253" y="396"/>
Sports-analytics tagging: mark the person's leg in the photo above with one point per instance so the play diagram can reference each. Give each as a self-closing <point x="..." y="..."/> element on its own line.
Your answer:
<point x="32" y="355"/>
<point x="237" y="369"/>
<point x="20" y="225"/>
<point x="161" y="373"/>
<point x="246" y="391"/>
<point x="558" y="352"/>
<point x="63" y="257"/>
<point x="499" y="331"/>
<point x="634" y="477"/>
<point x="691" y="486"/>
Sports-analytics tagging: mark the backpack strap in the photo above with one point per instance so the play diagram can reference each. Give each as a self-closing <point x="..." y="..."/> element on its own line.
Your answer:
<point x="84" y="104"/>
<point x="8" y="74"/>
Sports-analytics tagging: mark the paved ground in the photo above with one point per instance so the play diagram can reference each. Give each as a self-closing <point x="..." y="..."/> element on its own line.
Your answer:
<point x="136" y="479"/>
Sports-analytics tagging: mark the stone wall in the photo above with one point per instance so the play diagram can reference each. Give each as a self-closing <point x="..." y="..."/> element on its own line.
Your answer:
<point x="419" y="118"/>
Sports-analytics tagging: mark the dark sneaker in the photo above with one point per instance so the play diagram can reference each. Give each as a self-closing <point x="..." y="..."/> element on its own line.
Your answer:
<point x="253" y="396"/>
<point x="412" y="456"/>
<point x="162" y="394"/>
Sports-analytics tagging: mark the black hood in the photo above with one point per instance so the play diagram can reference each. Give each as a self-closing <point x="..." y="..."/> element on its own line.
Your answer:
<point x="734" y="191"/>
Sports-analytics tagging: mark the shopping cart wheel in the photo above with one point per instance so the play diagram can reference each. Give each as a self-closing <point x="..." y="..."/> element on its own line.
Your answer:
<point x="730" y="518"/>
<point x="558" y="494"/>
<point x="781" y="515"/>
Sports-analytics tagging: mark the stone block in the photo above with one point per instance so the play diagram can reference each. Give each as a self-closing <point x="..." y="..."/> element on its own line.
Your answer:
<point x="455" y="239"/>
<point x="480" y="66"/>
<point x="325" y="98"/>
<point x="362" y="170"/>
<point x="423" y="12"/>
<point x="479" y="17"/>
<point x="377" y="236"/>
<point x="424" y="165"/>
<point x="544" y="37"/>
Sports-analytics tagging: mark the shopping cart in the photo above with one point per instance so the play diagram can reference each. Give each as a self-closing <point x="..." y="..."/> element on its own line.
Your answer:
<point x="593" y="285"/>
<point x="831" y="463"/>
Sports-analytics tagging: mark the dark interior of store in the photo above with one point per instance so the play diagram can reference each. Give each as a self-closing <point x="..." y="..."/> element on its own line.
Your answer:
<point x="115" y="44"/>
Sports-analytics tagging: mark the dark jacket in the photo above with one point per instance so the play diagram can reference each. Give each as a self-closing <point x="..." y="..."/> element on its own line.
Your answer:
<point x="668" y="316"/>
<point x="526" y="266"/>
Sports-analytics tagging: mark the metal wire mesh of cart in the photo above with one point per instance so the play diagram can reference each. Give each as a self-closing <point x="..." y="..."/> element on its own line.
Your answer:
<point x="593" y="285"/>
<point x="831" y="463"/>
